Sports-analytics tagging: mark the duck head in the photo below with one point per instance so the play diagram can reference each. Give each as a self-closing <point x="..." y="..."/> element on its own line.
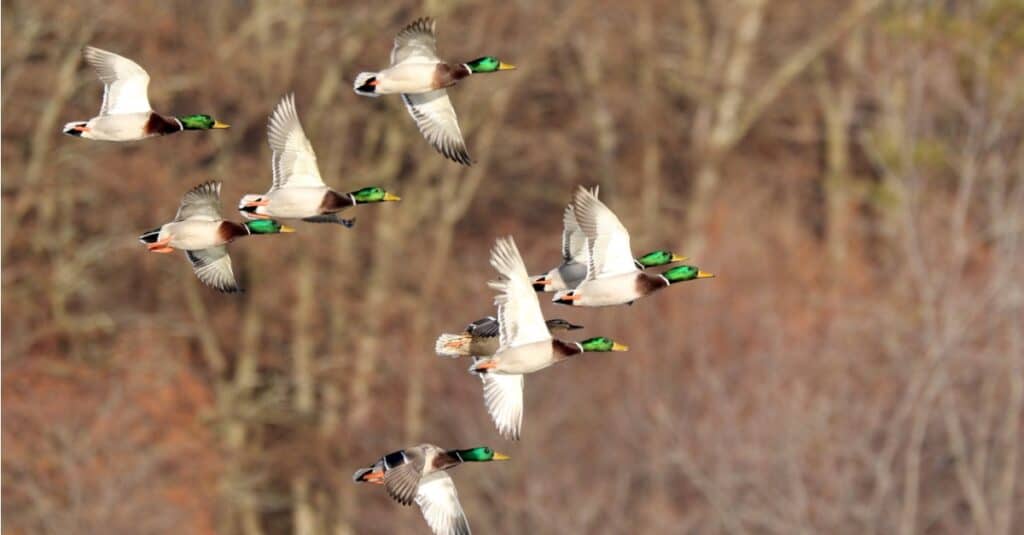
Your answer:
<point x="480" y="454"/>
<point x="685" y="273"/>
<point x="657" y="258"/>
<point x="602" y="344"/>
<point x="373" y="194"/>
<point x="201" y="121"/>
<point x="266" y="226"/>
<point x="488" y="64"/>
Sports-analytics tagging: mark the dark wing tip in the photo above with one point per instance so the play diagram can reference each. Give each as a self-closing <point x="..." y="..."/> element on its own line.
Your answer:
<point x="420" y="25"/>
<point x="455" y="153"/>
<point x="209" y="187"/>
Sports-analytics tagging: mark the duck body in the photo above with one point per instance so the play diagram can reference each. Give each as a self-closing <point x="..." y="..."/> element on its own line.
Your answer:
<point x="533" y="357"/>
<point x="125" y="114"/>
<point x="198" y="234"/>
<point x="616" y="290"/>
<point x="125" y="127"/>
<point x="418" y="74"/>
<point x="297" y="190"/>
<point x="200" y="231"/>
<point x="414" y="78"/>
<point x="419" y="475"/>
<point x="303" y="202"/>
<point x="525" y="342"/>
<point x="614" y="276"/>
<point x="481" y="338"/>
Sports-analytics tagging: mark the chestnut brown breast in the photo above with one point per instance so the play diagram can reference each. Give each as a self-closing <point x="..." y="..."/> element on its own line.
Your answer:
<point x="446" y="75"/>
<point x="158" y="125"/>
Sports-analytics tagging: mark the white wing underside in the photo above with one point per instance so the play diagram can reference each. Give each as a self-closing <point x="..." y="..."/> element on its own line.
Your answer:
<point x="212" y="266"/>
<point x="126" y="84"/>
<point x="519" y="314"/>
<point x="574" y="242"/>
<point x="293" y="160"/>
<point x="439" y="502"/>
<point x="503" y="396"/>
<point x="436" y="120"/>
<point x="608" y="249"/>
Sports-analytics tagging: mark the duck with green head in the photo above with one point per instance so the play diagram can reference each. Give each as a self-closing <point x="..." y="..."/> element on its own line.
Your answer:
<point x="297" y="190"/>
<point x="480" y="339"/>
<point x="525" y="343"/>
<point x="199" y="230"/>
<point x="573" y="268"/>
<point x="125" y="114"/>
<point x="613" y="277"/>
<point x="420" y="76"/>
<point x="419" y="475"/>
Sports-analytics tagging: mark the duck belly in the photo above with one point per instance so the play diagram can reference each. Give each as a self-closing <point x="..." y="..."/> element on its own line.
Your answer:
<point x="295" y="203"/>
<point x="615" y="290"/>
<point x="121" y="127"/>
<point x="192" y="235"/>
<point x="524" y="359"/>
<point x="407" y="78"/>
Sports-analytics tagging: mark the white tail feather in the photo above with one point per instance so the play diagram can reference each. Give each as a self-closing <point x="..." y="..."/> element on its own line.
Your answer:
<point x="453" y="345"/>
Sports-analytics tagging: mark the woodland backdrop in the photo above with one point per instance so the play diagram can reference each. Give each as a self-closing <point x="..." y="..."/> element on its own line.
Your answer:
<point x="852" y="170"/>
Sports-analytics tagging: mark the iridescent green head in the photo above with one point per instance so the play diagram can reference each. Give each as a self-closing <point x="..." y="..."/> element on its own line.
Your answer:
<point x="488" y="64"/>
<point x="657" y="258"/>
<point x="200" y="122"/>
<point x="480" y="455"/>
<point x="373" y="194"/>
<point x="602" y="344"/>
<point x="266" y="226"/>
<point x="685" y="273"/>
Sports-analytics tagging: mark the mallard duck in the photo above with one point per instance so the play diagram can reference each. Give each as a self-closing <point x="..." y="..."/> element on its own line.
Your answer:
<point x="573" y="268"/>
<point x="297" y="191"/>
<point x="418" y="474"/>
<point x="125" y="114"/>
<point x="199" y="230"/>
<point x="481" y="337"/>
<point x="421" y="77"/>
<point x="612" y="274"/>
<point x="525" y="344"/>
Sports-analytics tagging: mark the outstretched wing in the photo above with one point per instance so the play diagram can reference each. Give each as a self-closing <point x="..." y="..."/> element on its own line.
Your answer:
<point x="436" y="120"/>
<point x="402" y="481"/>
<point x="126" y="84"/>
<point x="439" y="503"/>
<point x="519" y="311"/>
<point x="609" y="252"/>
<point x="503" y="396"/>
<point x="201" y="202"/>
<point x="574" y="242"/>
<point x="416" y="42"/>
<point x="293" y="160"/>
<point x="213" y="267"/>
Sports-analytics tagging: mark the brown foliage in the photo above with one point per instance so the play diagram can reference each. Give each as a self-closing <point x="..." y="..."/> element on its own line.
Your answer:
<point x="852" y="171"/>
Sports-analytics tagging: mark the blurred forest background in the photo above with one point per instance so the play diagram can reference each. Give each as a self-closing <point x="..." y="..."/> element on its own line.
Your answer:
<point x="853" y="171"/>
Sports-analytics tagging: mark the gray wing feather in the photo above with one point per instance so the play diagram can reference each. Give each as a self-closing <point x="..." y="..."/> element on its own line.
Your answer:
<point x="402" y="481"/>
<point x="213" y="267"/>
<point x="201" y="202"/>
<point x="417" y="40"/>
